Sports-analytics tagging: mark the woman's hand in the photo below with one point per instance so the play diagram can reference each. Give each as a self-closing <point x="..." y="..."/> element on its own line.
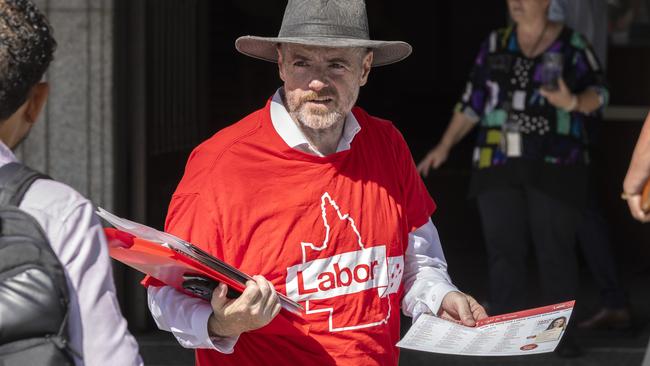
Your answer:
<point x="435" y="158"/>
<point x="561" y="98"/>
<point x="634" y="203"/>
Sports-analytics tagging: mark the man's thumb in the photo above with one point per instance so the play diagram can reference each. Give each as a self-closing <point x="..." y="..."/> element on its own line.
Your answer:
<point x="465" y="314"/>
<point x="219" y="298"/>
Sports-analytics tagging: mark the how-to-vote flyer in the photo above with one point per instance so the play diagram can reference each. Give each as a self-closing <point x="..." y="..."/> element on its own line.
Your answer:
<point x="524" y="332"/>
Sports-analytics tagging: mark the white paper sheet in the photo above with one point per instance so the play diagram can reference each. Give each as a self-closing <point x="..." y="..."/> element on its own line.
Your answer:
<point x="526" y="332"/>
<point x="142" y="231"/>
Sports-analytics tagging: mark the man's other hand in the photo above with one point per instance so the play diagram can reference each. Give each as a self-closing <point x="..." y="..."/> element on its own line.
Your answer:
<point x="463" y="308"/>
<point x="255" y="308"/>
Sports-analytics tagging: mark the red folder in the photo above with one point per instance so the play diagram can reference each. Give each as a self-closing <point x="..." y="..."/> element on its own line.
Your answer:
<point x="169" y="266"/>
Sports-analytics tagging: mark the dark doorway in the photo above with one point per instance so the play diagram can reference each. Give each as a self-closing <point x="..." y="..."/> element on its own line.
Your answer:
<point x="192" y="82"/>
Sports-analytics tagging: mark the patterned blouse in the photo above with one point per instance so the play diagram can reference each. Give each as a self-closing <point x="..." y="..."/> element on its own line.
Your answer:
<point x="503" y="92"/>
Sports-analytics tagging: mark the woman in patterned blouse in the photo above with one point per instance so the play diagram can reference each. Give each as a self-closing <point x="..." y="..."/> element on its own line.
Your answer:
<point x="531" y="154"/>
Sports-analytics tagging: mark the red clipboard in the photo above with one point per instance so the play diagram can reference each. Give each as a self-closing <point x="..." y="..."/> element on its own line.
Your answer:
<point x="169" y="267"/>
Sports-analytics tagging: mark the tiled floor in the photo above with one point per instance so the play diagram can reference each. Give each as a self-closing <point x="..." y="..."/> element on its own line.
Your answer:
<point x="158" y="349"/>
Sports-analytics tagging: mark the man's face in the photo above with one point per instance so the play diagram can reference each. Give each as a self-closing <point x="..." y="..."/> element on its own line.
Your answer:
<point x="527" y="10"/>
<point x="321" y="84"/>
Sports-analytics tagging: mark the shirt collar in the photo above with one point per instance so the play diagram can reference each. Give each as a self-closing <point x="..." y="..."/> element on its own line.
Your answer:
<point x="6" y="155"/>
<point x="293" y="136"/>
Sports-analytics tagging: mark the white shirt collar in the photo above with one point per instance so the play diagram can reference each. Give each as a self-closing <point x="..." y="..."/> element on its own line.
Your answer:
<point x="6" y="155"/>
<point x="293" y="136"/>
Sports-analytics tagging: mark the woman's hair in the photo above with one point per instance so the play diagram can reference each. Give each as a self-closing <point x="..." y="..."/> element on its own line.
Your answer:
<point x="26" y="50"/>
<point x="551" y="326"/>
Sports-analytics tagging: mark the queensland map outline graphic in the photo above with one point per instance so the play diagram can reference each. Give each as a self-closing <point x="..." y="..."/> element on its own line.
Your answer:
<point x="344" y="273"/>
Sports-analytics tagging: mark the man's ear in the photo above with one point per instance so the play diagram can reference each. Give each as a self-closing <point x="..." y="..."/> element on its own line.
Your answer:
<point x="36" y="101"/>
<point x="366" y="66"/>
<point x="280" y="62"/>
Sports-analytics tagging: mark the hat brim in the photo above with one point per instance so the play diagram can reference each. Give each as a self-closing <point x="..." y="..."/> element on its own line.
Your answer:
<point x="264" y="48"/>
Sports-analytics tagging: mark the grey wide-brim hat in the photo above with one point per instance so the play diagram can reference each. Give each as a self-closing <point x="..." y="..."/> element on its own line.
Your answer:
<point x="326" y="23"/>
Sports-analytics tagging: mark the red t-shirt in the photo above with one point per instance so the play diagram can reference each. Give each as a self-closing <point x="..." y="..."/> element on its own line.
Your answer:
<point x="330" y="232"/>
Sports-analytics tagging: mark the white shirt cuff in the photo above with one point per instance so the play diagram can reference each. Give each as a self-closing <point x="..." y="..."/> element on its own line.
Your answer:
<point x="430" y="301"/>
<point x="200" y="324"/>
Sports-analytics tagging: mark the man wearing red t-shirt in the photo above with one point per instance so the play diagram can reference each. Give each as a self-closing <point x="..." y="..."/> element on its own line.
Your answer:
<point x="319" y="198"/>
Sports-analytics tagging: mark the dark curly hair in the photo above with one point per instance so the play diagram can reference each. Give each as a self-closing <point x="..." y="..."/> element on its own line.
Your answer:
<point x="26" y="50"/>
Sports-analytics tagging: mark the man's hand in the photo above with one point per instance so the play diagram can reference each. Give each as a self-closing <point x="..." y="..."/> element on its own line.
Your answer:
<point x="634" y="202"/>
<point x="561" y="98"/>
<point x="457" y="306"/>
<point x="434" y="159"/>
<point x="255" y="308"/>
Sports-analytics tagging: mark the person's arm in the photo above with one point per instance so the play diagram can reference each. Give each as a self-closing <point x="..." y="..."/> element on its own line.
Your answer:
<point x="459" y="126"/>
<point x="467" y="113"/>
<point x="426" y="281"/>
<point x="190" y="326"/>
<point x="638" y="173"/>
<point x="84" y="253"/>
<point x="216" y="325"/>
<point x="586" y="102"/>
<point x="585" y="77"/>
<point x="189" y="218"/>
<point x="427" y="285"/>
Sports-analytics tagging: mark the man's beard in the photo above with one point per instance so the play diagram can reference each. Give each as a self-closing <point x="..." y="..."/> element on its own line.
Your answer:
<point x="317" y="121"/>
<point x="313" y="118"/>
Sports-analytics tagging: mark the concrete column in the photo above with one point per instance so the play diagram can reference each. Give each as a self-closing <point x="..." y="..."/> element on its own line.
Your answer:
<point x="72" y="140"/>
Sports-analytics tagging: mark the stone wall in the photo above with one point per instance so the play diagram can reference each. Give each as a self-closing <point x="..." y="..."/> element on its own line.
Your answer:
<point x="72" y="141"/>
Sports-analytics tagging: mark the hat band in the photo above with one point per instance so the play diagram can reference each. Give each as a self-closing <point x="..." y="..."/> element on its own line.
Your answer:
<point x="318" y="30"/>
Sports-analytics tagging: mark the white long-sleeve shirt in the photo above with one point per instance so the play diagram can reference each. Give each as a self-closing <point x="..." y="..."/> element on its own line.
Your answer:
<point x="426" y="281"/>
<point x="96" y="328"/>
